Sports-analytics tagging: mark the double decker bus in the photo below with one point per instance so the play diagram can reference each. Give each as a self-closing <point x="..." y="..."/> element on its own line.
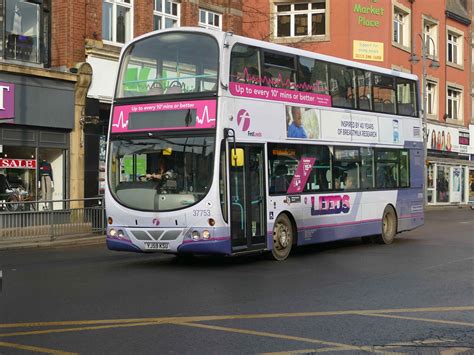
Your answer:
<point x="221" y="144"/>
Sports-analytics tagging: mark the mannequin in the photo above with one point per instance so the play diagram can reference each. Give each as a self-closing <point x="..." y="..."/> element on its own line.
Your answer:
<point x="45" y="180"/>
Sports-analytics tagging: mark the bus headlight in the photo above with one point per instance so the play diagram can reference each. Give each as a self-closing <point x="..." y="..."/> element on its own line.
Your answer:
<point x="121" y="233"/>
<point x="205" y="234"/>
<point x="196" y="235"/>
<point x="112" y="232"/>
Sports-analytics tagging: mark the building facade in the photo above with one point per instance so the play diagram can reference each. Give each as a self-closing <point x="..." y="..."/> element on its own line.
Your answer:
<point x="37" y="105"/>
<point x="58" y="62"/>
<point x="70" y="49"/>
<point x="394" y="34"/>
<point x="94" y="31"/>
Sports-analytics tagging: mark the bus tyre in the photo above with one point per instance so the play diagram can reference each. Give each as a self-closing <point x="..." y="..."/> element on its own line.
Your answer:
<point x="389" y="226"/>
<point x="282" y="237"/>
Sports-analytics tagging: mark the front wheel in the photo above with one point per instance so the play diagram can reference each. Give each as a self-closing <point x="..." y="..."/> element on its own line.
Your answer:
<point x="282" y="237"/>
<point x="389" y="226"/>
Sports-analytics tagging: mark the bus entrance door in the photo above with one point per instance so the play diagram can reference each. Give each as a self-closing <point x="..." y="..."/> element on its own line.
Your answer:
<point x="247" y="196"/>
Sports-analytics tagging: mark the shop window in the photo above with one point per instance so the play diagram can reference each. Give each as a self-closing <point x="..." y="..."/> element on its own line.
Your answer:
<point x="430" y="183"/>
<point x="26" y="31"/>
<point x="117" y="20"/>
<point x="442" y="184"/>
<point x="471" y="185"/>
<point x="165" y="14"/>
<point x="51" y="176"/>
<point x="17" y="177"/>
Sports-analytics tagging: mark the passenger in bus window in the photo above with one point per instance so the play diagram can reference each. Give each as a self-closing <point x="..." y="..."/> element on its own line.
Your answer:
<point x="296" y="129"/>
<point x="349" y="183"/>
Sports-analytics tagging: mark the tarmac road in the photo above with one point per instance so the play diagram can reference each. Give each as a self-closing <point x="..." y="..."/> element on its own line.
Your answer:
<point x="416" y="296"/>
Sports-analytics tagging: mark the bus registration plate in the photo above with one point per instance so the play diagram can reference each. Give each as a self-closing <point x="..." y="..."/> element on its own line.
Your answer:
<point x="157" y="245"/>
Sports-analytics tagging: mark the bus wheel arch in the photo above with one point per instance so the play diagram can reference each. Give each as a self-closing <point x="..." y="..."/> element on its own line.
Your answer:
<point x="389" y="225"/>
<point x="284" y="236"/>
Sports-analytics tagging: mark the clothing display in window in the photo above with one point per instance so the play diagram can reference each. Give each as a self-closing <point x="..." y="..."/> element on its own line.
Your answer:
<point x="46" y="183"/>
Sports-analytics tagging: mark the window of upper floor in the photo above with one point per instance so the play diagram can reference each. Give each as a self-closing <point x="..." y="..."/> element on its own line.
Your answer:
<point x="117" y="20"/>
<point x="210" y="19"/>
<point x="454" y="47"/>
<point x="401" y="27"/>
<point x="27" y="32"/>
<point x="431" y="103"/>
<point x="454" y="98"/>
<point x="431" y="37"/>
<point x="166" y="14"/>
<point x="301" y="19"/>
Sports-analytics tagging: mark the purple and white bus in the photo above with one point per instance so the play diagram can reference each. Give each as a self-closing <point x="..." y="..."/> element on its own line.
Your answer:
<point x="221" y="144"/>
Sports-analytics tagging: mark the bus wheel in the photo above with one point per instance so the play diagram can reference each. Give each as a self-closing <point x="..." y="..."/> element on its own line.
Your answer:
<point x="389" y="226"/>
<point x="282" y="237"/>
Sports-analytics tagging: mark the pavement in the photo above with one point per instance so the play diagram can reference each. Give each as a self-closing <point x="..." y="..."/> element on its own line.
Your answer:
<point x="47" y="242"/>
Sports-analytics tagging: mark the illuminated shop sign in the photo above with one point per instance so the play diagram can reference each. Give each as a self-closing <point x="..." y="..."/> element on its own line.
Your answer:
<point x="7" y="100"/>
<point x="17" y="163"/>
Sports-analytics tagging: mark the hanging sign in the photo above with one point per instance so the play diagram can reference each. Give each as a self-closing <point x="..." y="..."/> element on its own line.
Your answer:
<point x="7" y="100"/>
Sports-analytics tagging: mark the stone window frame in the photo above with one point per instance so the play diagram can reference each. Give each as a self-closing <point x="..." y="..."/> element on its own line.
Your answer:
<point x="435" y="97"/>
<point x="460" y="112"/>
<point x="458" y="62"/>
<point x="434" y="34"/>
<point x="399" y="9"/>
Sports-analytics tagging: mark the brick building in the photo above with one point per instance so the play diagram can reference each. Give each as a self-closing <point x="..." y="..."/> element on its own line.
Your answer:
<point x="393" y="34"/>
<point x="58" y="61"/>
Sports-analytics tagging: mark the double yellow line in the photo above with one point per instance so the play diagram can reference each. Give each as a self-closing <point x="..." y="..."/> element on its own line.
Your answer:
<point x="90" y="325"/>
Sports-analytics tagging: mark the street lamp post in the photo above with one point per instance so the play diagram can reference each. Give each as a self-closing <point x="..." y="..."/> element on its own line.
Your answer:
<point x="435" y="65"/>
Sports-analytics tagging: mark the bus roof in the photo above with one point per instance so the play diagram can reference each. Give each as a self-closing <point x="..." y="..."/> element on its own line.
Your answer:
<point x="221" y="36"/>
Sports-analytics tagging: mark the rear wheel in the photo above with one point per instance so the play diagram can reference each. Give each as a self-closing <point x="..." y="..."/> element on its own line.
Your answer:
<point x="389" y="226"/>
<point x="282" y="237"/>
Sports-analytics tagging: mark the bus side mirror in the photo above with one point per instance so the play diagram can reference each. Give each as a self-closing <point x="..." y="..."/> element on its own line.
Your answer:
<point x="237" y="157"/>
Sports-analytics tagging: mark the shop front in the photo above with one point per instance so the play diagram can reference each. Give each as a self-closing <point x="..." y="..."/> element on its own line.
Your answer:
<point x="98" y="103"/>
<point x="34" y="142"/>
<point x="449" y="167"/>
